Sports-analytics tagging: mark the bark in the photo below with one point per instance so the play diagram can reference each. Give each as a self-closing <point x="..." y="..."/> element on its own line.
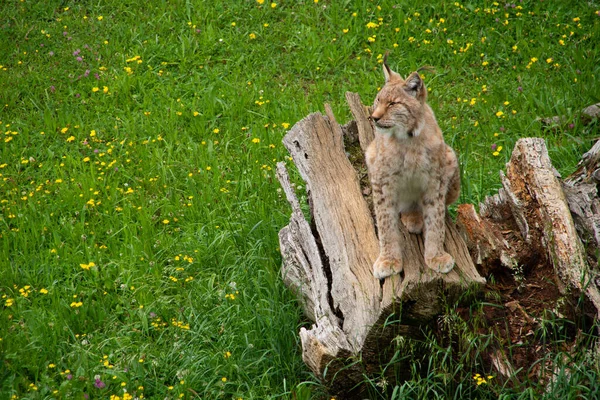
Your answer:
<point x="531" y="221"/>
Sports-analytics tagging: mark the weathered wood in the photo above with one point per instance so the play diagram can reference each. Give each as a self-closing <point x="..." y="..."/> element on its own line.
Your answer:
<point x="361" y="116"/>
<point x="343" y="221"/>
<point x="532" y="222"/>
<point x="299" y="247"/>
<point x="581" y="190"/>
<point x="532" y="199"/>
<point x="485" y="239"/>
<point x="336" y="256"/>
<point x="534" y="181"/>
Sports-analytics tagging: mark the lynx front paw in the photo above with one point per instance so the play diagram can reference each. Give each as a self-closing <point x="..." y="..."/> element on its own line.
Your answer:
<point x="442" y="263"/>
<point x="386" y="266"/>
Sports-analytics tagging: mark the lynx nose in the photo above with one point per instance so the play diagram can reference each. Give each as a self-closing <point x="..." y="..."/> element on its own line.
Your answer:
<point x="376" y="114"/>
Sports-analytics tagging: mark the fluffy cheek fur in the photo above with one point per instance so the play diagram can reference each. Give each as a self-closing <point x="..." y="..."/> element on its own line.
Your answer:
<point x="401" y="131"/>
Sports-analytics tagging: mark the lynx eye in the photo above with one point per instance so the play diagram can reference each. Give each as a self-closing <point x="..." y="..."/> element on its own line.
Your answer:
<point x="393" y="103"/>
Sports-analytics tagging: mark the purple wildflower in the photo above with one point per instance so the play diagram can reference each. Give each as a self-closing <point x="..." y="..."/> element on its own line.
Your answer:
<point x="502" y="129"/>
<point x="52" y="89"/>
<point x="86" y="73"/>
<point x="571" y="126"/>
<point x="76" y="52"/>
<point x="96" y="76"/>
<point x="42" y="45"/>
<point x="65" y="33"/>
<point x="70" y="376"/>
<point x="99" y="384"/>
<point x="77" y="95"/>
<point x="494" y="146"/>
<point x="80" y="59"/>
<point x="520" y="89"/>
<point x="96" y="151"/>
<point x="152" y="314"/>
<point x="51" y="54"/>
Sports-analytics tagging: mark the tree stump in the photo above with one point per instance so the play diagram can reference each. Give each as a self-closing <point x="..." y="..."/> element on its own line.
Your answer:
<point x="328" y="261"/>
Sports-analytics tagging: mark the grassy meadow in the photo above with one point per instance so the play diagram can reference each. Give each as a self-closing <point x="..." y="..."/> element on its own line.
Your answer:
<point x="139" y="210"/>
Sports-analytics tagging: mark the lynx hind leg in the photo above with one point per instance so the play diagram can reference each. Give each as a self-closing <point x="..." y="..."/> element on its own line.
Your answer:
<point x="413" y="221"/>
<point x="453" y="174"/>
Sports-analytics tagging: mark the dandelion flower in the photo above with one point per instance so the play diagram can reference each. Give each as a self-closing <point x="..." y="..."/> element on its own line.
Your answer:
<point x="273" y="5"/>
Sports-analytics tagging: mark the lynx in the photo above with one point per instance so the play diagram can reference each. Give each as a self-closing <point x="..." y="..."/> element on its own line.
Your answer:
<point x="413" y="173"/>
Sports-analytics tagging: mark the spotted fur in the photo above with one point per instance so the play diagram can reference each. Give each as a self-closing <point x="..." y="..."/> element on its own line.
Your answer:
<point x="413" y="173"/>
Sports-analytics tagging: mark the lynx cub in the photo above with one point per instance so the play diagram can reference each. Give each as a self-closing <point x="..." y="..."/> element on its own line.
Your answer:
<point x="413" y="172"/>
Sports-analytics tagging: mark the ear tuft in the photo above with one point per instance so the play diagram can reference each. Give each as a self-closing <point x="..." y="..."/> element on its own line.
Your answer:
<point x="387" y="71"/>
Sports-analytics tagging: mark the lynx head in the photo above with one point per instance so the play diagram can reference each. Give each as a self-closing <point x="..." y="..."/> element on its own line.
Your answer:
<point x="399" y="106"/>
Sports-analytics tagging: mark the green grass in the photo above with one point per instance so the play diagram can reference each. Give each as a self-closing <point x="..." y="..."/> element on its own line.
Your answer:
<point x="164" y="180"/>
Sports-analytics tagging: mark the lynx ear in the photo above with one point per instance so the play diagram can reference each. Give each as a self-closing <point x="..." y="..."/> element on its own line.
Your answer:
<point x="415" y="87"/>
<point x="387" y="71"/>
